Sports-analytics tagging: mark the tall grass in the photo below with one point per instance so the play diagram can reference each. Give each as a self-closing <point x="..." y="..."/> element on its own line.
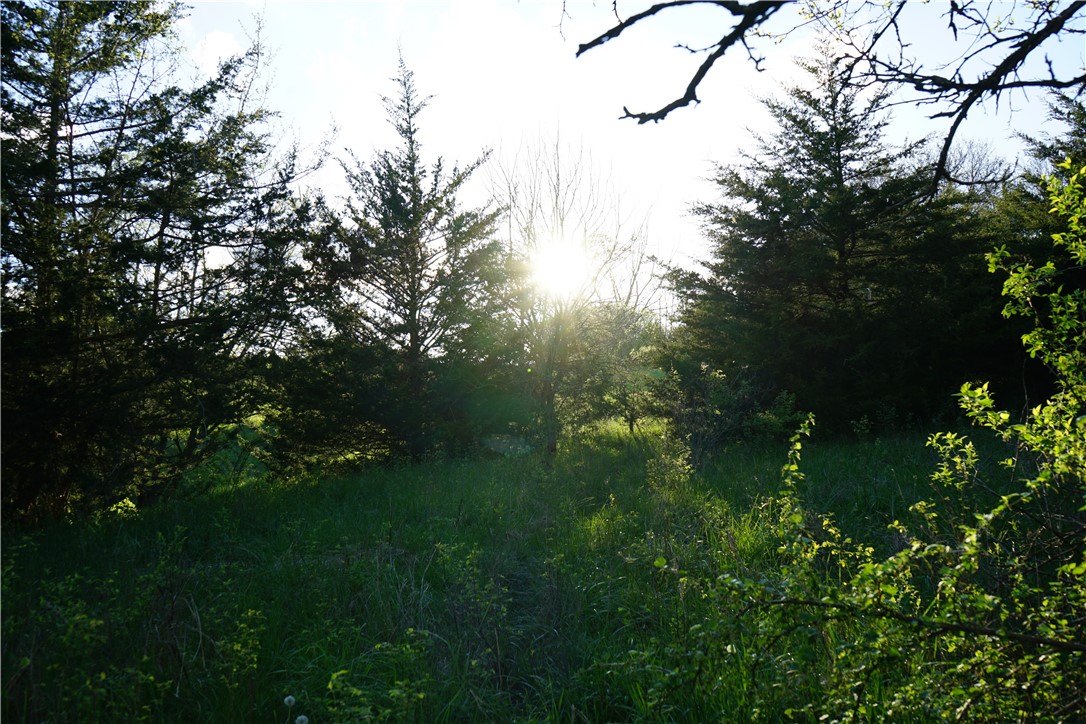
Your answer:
<point x="492" y="590"/>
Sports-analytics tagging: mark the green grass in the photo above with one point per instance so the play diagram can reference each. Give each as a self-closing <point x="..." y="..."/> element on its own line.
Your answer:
<point x="866" y="484"/>
<point x="490" y="590"/>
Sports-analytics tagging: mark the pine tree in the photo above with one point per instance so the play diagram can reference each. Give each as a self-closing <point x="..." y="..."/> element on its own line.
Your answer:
<point x="146" y="253"/>
<point x="831" y="274"/>
<point x="411" y="271"/>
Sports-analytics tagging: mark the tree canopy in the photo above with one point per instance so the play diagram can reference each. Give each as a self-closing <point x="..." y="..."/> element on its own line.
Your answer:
<point x="167" y="281"/>
<point x="147" y="237"/>
<point x="831" y="275"/>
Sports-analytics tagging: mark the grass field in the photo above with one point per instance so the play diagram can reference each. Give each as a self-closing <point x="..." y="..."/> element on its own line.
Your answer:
<point x="502" y="589"/>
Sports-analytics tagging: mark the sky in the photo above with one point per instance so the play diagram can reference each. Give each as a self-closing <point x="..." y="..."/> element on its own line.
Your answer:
<point x="504" y="77"/>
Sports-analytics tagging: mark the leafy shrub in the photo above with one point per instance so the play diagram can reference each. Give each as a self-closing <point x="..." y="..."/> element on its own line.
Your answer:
<point x="980" y="614"/>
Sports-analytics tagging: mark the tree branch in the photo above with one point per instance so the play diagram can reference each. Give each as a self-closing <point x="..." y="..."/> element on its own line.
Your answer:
<point x="1049" y="21"/>
<point x="750" y="15"/>
<point x="943" y="626"/>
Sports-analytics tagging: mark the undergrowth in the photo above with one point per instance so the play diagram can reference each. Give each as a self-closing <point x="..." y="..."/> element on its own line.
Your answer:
<point x="616" y="584"/>
<point x="492" y="590"/>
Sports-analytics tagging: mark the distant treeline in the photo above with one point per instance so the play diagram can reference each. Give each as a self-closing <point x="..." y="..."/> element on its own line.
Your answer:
<point x="168" y="279"/>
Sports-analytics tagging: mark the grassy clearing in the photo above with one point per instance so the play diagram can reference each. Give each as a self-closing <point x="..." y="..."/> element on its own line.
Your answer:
<point x="493" y="590"/>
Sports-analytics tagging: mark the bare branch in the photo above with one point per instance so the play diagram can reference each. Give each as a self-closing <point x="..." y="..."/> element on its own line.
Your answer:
<point x="959" y="627"/>
<point x="750" y="16"/>
<point x="875" y="52"/>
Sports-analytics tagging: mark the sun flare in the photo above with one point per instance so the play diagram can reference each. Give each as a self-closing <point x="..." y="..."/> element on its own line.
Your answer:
<point x="560" y="269"/>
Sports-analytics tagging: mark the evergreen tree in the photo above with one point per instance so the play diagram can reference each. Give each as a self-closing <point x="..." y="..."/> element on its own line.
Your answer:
<point x="146" y="253"/>
<point x="1020" y="219"/>
<point x="1054" y="152"/>
<point x="831" y="275"/>
<point x="409" y="270"/>
<point x="1022" y="212"/>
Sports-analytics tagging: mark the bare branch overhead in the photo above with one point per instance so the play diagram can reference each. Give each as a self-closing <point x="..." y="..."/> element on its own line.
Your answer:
<point x="997" y="42"/>
<point x="749" y="16"/>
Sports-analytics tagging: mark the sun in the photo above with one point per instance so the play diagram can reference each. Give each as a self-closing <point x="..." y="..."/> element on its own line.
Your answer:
<point x="560" y="269"/>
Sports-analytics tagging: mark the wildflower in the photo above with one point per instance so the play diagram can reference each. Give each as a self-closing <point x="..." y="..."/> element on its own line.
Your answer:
<point x="302" y="719"/>
<point x="289" y="701"/>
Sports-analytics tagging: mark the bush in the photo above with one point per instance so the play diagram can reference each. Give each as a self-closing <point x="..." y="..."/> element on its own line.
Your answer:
<point x="979" y="615"/>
